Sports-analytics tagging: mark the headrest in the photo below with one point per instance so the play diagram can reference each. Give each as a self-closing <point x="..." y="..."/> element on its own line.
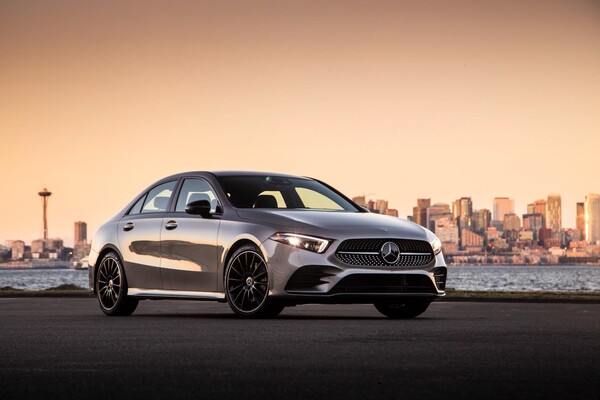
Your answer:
<point x="198" y="196"/>
<point x="265" y="201"/>
<point x="161" y="203"/>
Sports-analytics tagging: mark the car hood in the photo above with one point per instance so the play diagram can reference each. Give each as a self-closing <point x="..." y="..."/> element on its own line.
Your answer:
<point x="334" y="224"/>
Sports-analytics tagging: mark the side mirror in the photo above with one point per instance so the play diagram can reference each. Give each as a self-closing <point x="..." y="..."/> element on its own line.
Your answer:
<point x="198" y="207"/>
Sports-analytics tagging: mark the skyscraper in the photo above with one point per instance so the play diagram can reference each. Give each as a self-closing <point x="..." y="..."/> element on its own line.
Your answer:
<point x="80" y="232"/>
<point x="420" y="211"/>
<point x="592" y="218"/>
<point x="538" y="207"/>
<point x="580" y="220"/>
<point x="554" y="214"/>
<point x="482" y="219"/>
<point x="502" y="206"/>
<point x="462" y="211"/>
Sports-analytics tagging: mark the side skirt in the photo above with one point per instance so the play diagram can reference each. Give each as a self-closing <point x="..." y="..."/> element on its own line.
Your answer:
<point x="174" y="294"/>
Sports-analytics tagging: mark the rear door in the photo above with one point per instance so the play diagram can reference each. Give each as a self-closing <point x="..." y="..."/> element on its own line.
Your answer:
<point x="139" y="237"/>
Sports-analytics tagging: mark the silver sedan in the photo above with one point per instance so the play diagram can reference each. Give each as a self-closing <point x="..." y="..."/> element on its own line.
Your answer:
<point x="261" y="242"/>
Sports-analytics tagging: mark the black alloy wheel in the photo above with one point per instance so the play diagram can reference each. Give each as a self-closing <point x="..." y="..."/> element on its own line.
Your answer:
<point x="402" y="311"/>
<point x="111" y="287"/>
<point x="247" y="285"/>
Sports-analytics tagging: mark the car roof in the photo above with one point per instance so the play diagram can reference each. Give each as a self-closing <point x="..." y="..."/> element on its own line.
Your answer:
<point x="224" y="173"/>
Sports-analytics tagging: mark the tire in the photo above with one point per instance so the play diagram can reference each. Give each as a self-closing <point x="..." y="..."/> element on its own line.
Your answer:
<point x="111" y="287"/>
<point x="401" y="311"/>
<point x="247" y="285"/>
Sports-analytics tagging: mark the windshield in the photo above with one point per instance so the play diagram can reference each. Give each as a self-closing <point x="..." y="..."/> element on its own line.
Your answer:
<point x="282" y="192"/>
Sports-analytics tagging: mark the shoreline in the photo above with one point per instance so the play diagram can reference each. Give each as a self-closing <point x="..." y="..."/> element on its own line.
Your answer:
<point x="474" y="265"/>
<point x="451" y="295"/>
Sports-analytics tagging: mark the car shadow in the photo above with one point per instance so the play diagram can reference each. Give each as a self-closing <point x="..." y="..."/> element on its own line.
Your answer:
<point x="227" y="316"/>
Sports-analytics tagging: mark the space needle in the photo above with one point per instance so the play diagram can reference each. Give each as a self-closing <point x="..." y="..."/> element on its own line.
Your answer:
<point x="45" y="194"/>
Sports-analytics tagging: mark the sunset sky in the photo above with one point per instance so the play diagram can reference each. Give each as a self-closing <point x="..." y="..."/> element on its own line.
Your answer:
<point x="402" y="99"/>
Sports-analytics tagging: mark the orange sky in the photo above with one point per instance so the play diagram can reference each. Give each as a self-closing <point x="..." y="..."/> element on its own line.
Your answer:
<point x="434" y="99"/>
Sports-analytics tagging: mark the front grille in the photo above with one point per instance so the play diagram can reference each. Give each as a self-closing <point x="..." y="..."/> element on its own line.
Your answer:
<point x="384" y="284"/>
<point x="366" y="252"/>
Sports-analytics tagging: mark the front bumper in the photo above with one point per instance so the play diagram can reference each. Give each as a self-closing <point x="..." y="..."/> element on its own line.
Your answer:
<point x="300" y="276"/>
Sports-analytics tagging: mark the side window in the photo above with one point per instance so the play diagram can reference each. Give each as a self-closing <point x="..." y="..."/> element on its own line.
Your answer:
<point x="194" y="190"/>
<point x="137" y="207"/>
<point x="158" y="198"/>
<point x="316" y="200"/>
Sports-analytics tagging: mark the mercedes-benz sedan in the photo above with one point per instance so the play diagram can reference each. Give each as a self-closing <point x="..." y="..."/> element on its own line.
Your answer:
<point x="261" y="242"/>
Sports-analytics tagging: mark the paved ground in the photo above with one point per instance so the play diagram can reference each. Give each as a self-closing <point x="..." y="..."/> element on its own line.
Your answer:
<point x="65" y="348"/>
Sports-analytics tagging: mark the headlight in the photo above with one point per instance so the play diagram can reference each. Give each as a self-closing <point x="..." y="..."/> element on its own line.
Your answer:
<point x="436" y="245"/>
<point x="310" y="243"/>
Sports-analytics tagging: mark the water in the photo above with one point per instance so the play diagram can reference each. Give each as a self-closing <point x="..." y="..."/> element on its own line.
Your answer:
<point x="555" y="278"/>
<point x="40" y="279"/>
<point x="489" y="278"/>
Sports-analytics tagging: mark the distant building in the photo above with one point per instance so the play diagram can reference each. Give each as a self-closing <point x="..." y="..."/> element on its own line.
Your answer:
<point x="360" y="200"/>
<point x="538" y="207"/>
<point x="80" y="232"/>
<point x="81" y="247"/>
<point x="511" y="222"/>
<point x="501" y="207"/>
<point x="492" y="233"/>
<point x="392" y="212"/>
<point x="17" y="249"/>
<point x="381" y="206"/>
<point x="592" y="218"/>
<point x="554" y="214"/>
<point x="38" y="248"/>
<point x="371" y="206"/>
<point x="526" y="235"/>
<point x="420" y="211"/>
<point x="54" y="245"/>
<point x="533" y="222"/>
<point x="462" y="211"/>
<point x="545" y="235"/>
<point x="446" y="230"/>
<point x="470" y="239"/>
<point x="435" y="212"/>
<point x="482" y="219"/>
<point x="580" y="220"/>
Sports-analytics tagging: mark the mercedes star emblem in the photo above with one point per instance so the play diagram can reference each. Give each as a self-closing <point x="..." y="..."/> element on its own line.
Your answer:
<point x="390" y="252"/>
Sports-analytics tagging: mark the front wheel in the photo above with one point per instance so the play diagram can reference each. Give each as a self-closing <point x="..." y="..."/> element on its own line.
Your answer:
<point x="111" y="287"/>
<point x="401" y="311"/>
<point x="247" y="285"/>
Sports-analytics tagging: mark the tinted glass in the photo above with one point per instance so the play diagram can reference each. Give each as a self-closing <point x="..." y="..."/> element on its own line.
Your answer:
<point x="137" y="207"/>
<point x="282" y="192"/>
<point x="158" y="198"/>
<point x="193" y="190"/>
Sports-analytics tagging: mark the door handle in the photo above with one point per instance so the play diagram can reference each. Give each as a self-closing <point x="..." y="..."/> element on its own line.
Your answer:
<point x="171" y="225"/>
<point x="128" y="226"/>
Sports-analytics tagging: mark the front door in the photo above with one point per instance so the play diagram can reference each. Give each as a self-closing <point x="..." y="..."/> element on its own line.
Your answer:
<point x="189" y="242"/>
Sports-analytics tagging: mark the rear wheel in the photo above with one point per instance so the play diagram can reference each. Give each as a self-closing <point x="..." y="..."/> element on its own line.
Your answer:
<point x="111" y="287"/>
<point x="247" y="285"/>
<point x="401" y="310"/>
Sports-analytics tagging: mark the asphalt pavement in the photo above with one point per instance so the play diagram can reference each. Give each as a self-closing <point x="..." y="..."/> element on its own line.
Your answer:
<point x="66" y="348"/>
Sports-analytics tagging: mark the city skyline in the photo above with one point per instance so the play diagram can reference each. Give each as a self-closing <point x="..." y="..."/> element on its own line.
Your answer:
<point x="531" y="208"/>
<point x="406" y="100"/>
